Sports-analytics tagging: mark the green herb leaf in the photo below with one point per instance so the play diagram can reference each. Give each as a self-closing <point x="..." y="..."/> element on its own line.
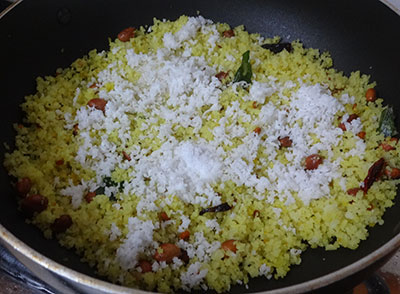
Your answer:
<point x="386" y="123"/>
<point x="244" y="72"/>
<point x="100" y="191"/>
<point x="112" y="198"/>
<point x="108" y="182"/>
<point x="121" y="186"/>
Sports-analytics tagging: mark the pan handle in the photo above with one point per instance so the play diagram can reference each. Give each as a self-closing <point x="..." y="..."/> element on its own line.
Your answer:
<point x="12" y="4"/>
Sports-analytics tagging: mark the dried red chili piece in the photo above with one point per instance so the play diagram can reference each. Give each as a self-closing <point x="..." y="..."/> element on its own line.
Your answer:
<point x="395" y="173"/>
<point x="385" y="146"/>
<point x="184" y="235"/>
<point x="374" y="173"/>
<point x="126" y="156"/>
<point x="361" y="135"/>
<point x="352" y="117"/>
<point x="342" y="126"/>
<point x="89" y="196"/>
<point x="257" y="130"/>
<point x="164" y="216"/>
<point x="392" y="173"/>
<point x="221" y="75"/>
<point x="353" y="191"/>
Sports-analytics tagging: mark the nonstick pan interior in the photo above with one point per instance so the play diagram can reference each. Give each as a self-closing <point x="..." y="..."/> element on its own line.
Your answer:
<point x="39" y="36"/>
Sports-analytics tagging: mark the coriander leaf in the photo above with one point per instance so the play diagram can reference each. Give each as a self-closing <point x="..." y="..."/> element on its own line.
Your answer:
<point x="386" y="123"/>
<point x="121" y="186"/>
<point x="112" y="198"/>
<point x="244" y="72"/>
<point x="108" y="182"/>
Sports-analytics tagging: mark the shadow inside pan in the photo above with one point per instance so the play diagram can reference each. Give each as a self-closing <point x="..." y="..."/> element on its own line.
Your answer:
<point x="40" y="36"/>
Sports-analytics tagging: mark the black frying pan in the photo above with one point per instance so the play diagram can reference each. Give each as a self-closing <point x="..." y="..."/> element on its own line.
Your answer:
<point x="39" y="36"/>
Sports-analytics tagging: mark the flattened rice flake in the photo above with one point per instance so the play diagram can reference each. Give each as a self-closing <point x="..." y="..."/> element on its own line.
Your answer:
<point x="173" y="137"/>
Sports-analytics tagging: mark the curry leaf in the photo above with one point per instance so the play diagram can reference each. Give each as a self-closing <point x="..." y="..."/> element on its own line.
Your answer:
<point x="222" y="207"/>
<point x="278" y="47"/>
<point x="386" y="123"/>
<point x="244" y="72"/>
<point x="100" y="191"/>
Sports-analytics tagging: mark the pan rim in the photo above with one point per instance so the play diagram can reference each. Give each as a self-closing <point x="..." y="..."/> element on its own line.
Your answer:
<point x="16" y="245"/>
<point x="389" y="3"/>
<point x="107" y="287"/>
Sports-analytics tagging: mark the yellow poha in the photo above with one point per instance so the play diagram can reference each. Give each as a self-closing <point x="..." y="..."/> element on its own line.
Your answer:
<point x="166" y="169"/>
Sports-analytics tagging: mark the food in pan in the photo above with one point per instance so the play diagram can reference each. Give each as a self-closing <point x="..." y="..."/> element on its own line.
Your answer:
<point x="192" y="155"/>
